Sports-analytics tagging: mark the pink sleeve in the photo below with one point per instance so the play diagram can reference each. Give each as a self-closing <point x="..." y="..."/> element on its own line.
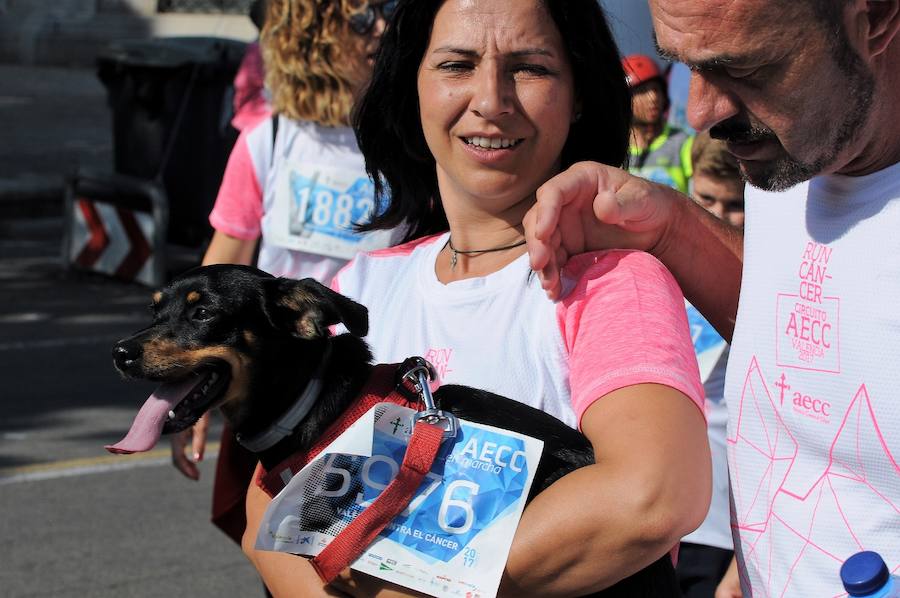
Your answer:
<point x="624" y="323"/>
<point x="250" y="78"/>
<point x="238" y="208"/>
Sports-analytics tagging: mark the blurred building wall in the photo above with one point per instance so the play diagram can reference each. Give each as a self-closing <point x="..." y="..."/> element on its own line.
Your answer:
<point x="71" y="32"/>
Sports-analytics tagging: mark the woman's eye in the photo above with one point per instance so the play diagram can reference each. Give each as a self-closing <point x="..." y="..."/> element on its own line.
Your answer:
<point x="454" y="66"/>
<point x="531" y="69"/>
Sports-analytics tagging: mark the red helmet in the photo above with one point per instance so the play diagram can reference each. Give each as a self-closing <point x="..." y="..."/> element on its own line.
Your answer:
<point x="640" y="69"/>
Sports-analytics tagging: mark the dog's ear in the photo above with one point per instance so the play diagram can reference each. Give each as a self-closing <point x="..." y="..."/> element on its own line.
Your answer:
<point x="306" y="308"/>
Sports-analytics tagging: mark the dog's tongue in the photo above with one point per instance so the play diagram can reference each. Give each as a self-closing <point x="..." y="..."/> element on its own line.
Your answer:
<point x="148" y="423"/>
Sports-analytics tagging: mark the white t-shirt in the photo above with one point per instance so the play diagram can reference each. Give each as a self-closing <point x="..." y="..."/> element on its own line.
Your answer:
<point x="623" y="323"/>
<point x="813" y="382"/>
<point x="712" y="357"/>
<point x="302" y="194"/>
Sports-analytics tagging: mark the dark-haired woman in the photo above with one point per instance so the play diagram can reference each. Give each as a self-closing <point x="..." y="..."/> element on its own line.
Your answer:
<point x="473" y="105"/>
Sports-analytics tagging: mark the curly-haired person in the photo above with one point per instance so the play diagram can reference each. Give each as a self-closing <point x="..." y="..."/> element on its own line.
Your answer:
<point x="296" y="183"/>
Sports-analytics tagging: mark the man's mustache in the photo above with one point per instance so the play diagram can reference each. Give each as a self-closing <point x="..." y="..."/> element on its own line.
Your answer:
<point x="741" y="132"/>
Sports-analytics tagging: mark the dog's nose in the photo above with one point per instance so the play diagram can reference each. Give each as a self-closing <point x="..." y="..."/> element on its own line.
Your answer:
<point x="125" y="355"/>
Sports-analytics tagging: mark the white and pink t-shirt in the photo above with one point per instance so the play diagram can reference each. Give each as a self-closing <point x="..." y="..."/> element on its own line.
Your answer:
<point x="301" y="188"/>
<point x="623" y="323"/>
<point x="813" y="384"/>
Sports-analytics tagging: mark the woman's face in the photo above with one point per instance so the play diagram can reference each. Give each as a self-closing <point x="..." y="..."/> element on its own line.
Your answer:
<point x="360" y="47"/>
<point x="496" y="99"/>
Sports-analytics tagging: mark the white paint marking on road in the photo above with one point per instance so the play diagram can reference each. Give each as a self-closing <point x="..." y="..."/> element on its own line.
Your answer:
<point x="90" y="465"/>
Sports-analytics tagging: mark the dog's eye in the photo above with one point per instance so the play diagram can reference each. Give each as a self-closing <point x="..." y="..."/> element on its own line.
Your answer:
<point x="201" y="314"/>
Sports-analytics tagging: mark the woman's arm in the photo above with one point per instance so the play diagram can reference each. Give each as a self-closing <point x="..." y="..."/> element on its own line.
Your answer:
<point x="649" y="487"/>
<point x="223" y="249"/>
<point x="291" y="576"/>
<point x="286" y="575"/>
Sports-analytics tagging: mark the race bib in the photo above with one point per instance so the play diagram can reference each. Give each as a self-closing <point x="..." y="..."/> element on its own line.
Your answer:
<point x="708" y="345"/>
<point x="316" y="207"/>
<point x="453" y="538"/>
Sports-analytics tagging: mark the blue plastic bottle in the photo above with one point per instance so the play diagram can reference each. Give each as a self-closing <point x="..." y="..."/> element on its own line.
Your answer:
<point x="866" y="576"/>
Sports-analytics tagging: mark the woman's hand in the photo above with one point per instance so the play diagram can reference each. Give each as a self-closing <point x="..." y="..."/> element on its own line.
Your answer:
<point x="285" y="575"/>
<point x="223" y="249"/>
<point x="195" y="437"/>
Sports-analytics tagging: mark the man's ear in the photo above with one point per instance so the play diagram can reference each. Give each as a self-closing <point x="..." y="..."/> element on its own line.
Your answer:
<point x="306" y="308"/>
<point x="880" y="24"/>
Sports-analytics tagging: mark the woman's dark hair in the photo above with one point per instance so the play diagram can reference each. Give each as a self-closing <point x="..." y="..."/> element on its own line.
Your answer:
<point x="389" y="130"/>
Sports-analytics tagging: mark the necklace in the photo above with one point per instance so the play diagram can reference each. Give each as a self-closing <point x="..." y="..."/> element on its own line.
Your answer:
<point x="454" y="252"/>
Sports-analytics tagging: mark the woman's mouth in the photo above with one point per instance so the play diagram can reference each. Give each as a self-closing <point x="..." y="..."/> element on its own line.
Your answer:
<point x="492" y="142"/>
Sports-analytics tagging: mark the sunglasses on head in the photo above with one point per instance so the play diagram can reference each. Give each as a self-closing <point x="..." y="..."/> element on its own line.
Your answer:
<point x="362" y="21"/>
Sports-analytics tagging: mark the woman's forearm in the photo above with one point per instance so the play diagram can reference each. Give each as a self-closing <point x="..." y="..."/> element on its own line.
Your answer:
<point x="604" y="522"/>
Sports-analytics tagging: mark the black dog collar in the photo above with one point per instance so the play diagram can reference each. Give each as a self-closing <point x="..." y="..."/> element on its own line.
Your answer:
<point x="285" y="425"/>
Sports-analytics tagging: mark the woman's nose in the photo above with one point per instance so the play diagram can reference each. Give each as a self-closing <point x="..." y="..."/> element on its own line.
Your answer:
<point x="492" y="92"/>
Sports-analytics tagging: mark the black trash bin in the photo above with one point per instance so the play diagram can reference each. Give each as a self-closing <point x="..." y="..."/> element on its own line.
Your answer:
<point x="171" y="107"/>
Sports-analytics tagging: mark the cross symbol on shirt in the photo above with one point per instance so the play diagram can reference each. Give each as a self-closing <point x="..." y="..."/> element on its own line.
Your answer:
<point x="780" y="384"/>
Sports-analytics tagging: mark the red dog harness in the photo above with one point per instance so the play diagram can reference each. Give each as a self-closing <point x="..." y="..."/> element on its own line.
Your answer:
<point x="420" y="453"/>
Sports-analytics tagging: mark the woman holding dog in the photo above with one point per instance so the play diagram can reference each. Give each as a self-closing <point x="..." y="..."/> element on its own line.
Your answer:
<point x="472" y="106"/>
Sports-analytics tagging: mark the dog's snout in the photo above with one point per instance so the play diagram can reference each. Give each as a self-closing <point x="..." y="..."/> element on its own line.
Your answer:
<point x="126" y="355"/>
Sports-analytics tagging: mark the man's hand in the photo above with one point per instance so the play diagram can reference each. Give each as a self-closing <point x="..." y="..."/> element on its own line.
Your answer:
<point x="195" y="437"/>
<point x="590" y="207"/>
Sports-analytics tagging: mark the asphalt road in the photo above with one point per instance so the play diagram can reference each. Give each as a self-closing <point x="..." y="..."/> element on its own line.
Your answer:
<point x="77" y="521"/>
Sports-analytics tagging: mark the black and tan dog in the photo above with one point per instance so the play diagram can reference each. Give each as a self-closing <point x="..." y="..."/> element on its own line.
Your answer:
<point x="248" y="343"/>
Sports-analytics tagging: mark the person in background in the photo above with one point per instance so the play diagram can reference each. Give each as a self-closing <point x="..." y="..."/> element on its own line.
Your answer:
<point x="706" y="566"/>
<point x="716" y="183"/>
<point x="479" y="103"/>
<point x="659" y="152"/>
<point x="805" y="94"/>
<point x="295" y="184"/>
<point x="251" y="102"/>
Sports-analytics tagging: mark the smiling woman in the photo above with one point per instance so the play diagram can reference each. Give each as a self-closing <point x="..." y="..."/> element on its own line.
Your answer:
<point x="473" y="105"/>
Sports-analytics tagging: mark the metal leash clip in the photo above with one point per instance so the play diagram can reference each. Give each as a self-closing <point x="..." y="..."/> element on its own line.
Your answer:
<point x="419" y="372"/>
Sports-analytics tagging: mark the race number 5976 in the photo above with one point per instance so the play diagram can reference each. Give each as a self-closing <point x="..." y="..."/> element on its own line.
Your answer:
<point x="455" y="514"/>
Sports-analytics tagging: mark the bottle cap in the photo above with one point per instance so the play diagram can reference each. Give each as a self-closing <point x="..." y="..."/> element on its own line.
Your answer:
<point x="864" y="573"/>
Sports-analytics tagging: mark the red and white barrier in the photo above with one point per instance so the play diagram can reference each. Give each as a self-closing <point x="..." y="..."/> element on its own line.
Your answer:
<point x="112" y="240"/>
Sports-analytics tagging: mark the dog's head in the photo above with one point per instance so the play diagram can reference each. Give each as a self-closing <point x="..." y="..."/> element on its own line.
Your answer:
<point x="212" y="329"/>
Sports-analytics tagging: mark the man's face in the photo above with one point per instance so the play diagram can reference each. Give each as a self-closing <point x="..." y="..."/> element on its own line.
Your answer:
<point x="648" y="102"/>
<point x="788" y="98"/>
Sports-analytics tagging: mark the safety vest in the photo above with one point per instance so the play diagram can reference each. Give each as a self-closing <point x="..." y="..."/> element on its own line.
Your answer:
<point x="667" y="160"/>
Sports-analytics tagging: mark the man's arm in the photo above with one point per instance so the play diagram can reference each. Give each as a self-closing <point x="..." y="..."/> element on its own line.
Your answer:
<point x="649" y="487"/>
<point x="592" y="206"/>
